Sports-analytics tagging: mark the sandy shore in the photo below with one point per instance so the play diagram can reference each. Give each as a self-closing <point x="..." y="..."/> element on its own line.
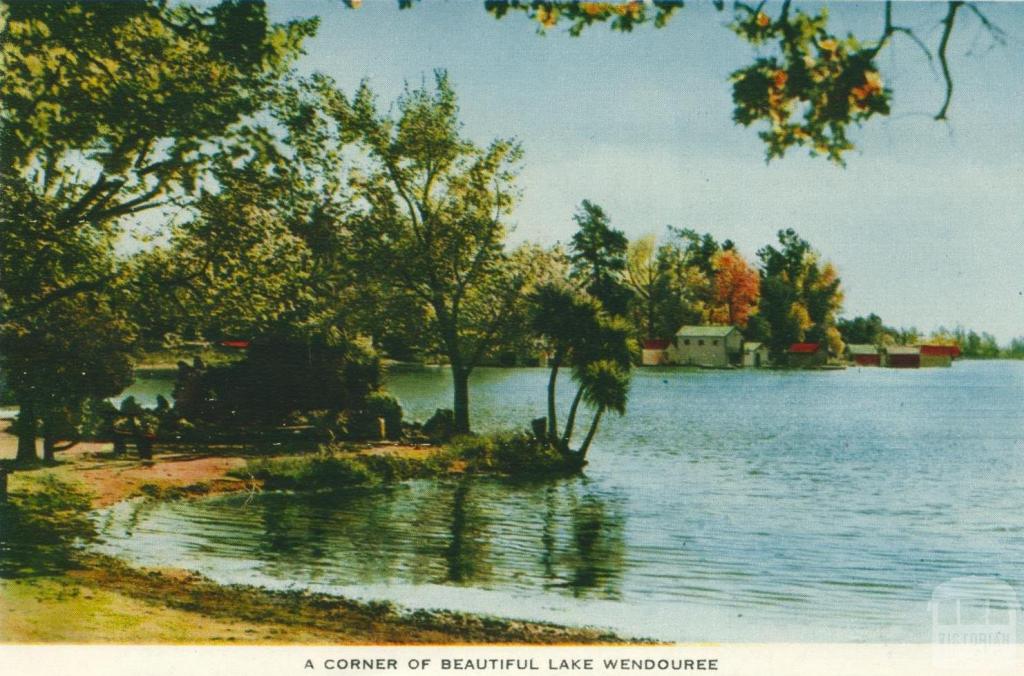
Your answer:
<point x="106" y="601"/>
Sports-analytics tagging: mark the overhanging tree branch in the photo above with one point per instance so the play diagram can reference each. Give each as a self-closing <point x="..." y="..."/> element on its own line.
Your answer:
<point x="947" y="30"/>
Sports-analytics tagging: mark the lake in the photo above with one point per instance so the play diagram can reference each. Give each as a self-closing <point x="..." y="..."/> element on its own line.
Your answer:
<point x="725" y="506"/>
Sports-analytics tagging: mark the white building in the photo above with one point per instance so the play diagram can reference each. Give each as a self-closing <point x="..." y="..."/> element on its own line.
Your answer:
<point x="755" y="354"/>
<point x="715" y="346"/>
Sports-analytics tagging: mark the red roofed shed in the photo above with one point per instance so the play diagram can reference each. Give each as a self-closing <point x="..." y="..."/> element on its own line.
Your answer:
<point x="655" y="352"/>
<point x="938" y="355"/>
<point x="806" y="355"/>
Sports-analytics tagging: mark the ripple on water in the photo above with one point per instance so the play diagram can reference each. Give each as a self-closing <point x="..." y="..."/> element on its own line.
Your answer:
<point x="724" y="506"/>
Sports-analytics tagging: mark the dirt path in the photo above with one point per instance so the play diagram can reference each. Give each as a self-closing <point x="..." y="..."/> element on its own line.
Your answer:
<point x="173" y="471"/>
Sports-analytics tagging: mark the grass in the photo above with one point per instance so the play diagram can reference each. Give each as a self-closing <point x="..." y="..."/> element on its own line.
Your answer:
<point x="336" y="466"/>
<point x="42" y="525"/>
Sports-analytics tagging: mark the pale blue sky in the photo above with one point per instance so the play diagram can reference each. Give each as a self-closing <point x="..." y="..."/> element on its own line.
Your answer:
<point x="925" y="224"/>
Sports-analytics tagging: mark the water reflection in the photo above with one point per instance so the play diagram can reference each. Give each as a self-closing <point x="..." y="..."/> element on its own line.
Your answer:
<point x="469" y="541"/>
<point x="486" y="533"/>
<point x="794" y="505"/>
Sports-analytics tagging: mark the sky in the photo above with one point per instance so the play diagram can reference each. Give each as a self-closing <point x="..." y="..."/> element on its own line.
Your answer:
<point x="925" y="224"/>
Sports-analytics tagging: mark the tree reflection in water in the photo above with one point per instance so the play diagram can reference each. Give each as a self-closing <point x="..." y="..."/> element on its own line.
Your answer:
<point x="467" y="551"/>
<point x="565" y="535"/>
<point x="579" y="537"/>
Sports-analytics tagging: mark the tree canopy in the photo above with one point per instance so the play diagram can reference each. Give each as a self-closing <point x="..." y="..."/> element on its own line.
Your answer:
<point x="109" y="110"/>
<point x="430" y="219"/>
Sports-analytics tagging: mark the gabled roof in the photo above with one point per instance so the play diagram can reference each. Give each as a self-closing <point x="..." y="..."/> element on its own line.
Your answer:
<point x="656" y="344"/>
<point x="903" y="349"/>
<point x="706" y="331"/>
<point x="941" y="350"/>
<point x="804" y="348"/>
<point x="862" y="348"/>
<point x="752" y="347"/>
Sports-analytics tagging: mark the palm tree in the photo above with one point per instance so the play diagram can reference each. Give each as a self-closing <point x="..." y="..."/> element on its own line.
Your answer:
<point x="560" y="315"/>
<point x="596" y="345"/>
<point x="602" y="338"/>
<point x="605" y="385"/>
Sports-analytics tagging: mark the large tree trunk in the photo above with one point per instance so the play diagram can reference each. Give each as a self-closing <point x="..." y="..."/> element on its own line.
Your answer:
<point x="556" y="362"/>
<point x="590" y="436"/>
<point x="460" y="380"/>
<point x="145" y="447"/>
<point x="49" y="449"/>
<point x="49" y="440"/>
<point x="27" y="427"/>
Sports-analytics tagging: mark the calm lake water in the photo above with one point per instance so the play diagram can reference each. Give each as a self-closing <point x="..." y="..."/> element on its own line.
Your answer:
<point x="729" y="506"/>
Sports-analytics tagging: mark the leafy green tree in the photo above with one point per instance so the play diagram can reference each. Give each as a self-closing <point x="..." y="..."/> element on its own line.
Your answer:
<point x="869" y="329"/>
<point x="539" y="267"/>
<point x="430" y="221"/>
<point x="1015" y="350"/>
<point x="264" y="253"/>
<point x="682" y="290"/>
<point x="645" y="279"/>
<point x="107" y="111"/>
<point x="602" y="349"/>
<point x="78" y="349"/>
<point x="598" y="255"/>
<point x="977" y="345"/>
<point x="700" y="250"/>
<point x="800" y="297"/>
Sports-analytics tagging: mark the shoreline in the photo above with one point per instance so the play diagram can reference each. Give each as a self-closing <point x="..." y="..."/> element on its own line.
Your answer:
<point x="114" y="602"/>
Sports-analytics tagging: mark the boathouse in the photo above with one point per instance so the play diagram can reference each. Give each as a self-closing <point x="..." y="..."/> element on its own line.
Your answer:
<point x="938" y="355"/>
<point x="655" y="352"/>
<point x="755" y="355"/>
<point x="806" y="355"/>
<point x="712" y="346"/>
<point x="864" y="354"/>
<point x="903" y="356"/>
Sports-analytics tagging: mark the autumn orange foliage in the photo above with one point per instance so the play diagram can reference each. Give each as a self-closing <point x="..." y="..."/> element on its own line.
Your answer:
<point x="737" y="288"/>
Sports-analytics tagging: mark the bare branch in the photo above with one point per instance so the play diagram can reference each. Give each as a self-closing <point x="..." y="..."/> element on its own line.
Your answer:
<point x="947" y="30"/>
<point x="140" y="203"/>
<point x="998" y="34"/>
<point x="891" y="29"/>
<point x="70" y="215"/>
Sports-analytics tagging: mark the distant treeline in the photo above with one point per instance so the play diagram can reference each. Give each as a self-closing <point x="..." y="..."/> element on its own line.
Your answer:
<point x="973" y="345"/>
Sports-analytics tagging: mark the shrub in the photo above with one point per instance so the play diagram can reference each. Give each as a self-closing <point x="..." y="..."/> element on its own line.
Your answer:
<point x="440" y="426"/>
<point x="278" y="377"/>
<point x="323" y="470"/>
<point x="515" y="453"/>
<point x="364" y="422"/>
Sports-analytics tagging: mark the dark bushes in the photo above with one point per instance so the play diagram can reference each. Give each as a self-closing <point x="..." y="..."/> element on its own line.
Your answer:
<point x="276" y="378"/>
<point x="327" y="391"/>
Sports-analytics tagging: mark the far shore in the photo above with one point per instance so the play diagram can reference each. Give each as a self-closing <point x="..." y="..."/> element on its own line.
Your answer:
<point x="104" y="600"/>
